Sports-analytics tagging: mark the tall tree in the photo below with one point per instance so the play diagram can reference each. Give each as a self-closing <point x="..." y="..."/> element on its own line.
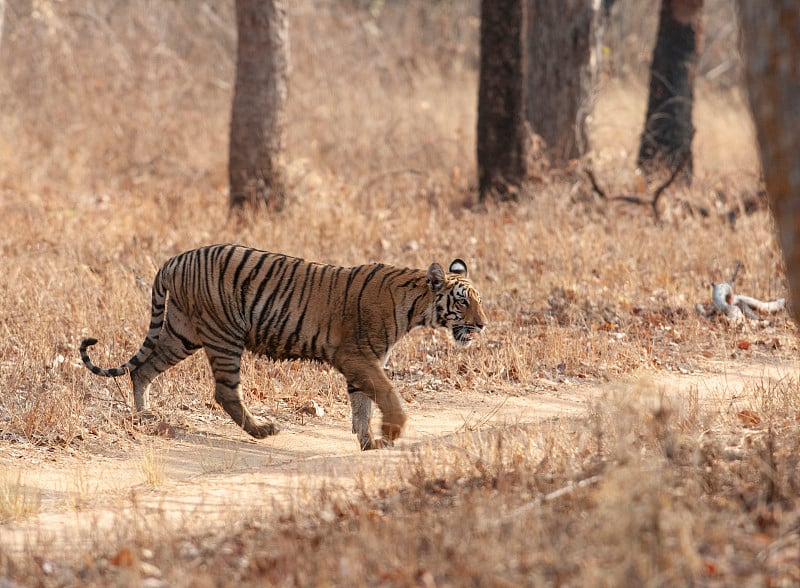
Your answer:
<point x="2" y="19"/>
<point x="771" y="44"/>
<point x="257" y="118"/>
<point x="502" y="134"/>
<point x="560" y="81"/>
<point x="668" y="132"/>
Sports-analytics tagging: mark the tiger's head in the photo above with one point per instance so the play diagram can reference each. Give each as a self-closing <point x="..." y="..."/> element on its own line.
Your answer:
<point x="457" y="304"/>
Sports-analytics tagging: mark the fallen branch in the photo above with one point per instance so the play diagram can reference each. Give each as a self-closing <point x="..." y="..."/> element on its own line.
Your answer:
<point x="556" y="494"/>
<point x="736" y="307"/>
<point x="653" y="204"/>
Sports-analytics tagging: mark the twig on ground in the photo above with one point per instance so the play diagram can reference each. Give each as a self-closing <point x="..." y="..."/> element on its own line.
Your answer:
<point x="653" y="204"/>
<point x="660" y="190"/>
<point x="735" y="272"/>
<point x="595" y="186"/>
<point x="554" y="495"/>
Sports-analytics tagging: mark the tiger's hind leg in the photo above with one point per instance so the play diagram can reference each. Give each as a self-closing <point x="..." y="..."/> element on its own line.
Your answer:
<point x="177" y="341"/>
<point x="361" y="408"/>
<point x="226" y="366"/>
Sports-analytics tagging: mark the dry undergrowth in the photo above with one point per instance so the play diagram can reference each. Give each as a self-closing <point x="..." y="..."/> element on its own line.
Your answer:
<point x="645" y="490"/>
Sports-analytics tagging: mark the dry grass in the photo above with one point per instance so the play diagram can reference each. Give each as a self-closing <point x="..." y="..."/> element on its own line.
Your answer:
<point x="380" y="158"/>
<point x="151" y="465"/>
<point x="644" y="490"/>
<point x="16" y="500"/>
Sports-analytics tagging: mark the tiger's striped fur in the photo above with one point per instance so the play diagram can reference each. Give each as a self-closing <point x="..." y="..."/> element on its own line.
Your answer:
<point x="227" y="298"/>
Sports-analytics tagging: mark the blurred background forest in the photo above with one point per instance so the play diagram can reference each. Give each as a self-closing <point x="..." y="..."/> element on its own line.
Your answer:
<point x="107" y="96"/>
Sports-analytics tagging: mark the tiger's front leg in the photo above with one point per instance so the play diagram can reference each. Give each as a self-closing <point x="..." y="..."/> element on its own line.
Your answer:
<point x="367" y="382"/>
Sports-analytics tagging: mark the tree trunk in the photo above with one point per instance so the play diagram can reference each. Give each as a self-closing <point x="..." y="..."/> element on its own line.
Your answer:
<point x="257" y="118"/>
<point x="771" y="47"/>
<point x="667" y="137"/>
<point x="2" y="19"/>
<point x="502" y="134"/>
<point x="560" y="80"/>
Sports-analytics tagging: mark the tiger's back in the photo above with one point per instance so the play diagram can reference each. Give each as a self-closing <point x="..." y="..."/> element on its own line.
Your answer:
<point x="227" y="298"/>
<point x="288" y="308"/>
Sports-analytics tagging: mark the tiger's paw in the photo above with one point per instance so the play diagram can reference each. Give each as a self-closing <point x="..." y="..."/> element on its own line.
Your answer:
<point x="372" y="443"/>
<point x="391" y="429"/>
<point x="144" y="417"/>
<point x="262" y="430"/>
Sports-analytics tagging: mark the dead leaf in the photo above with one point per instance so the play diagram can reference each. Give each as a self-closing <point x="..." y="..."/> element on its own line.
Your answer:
<point x="164" y="429"/>
<point x="748" y="417"/>
<point x="312" y="408"/>
<point x="742" y="344"/>
<point x="123" y="559"/>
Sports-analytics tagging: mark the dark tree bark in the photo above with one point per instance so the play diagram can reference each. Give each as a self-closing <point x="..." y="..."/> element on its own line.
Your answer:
<point x="668" y="132"/>
<point x="560" y="81"/>
<point x="771" y="47"/>
<point x="257" y="118"/>
<point x="502" y="134"/>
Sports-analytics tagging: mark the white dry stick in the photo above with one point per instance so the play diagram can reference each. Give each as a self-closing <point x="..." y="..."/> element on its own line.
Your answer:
<point x="556" y="494"/>
<point x="736" y="307"/>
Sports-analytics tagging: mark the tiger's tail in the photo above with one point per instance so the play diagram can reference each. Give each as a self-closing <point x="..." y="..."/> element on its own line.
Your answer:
<point x="159" y="296"/>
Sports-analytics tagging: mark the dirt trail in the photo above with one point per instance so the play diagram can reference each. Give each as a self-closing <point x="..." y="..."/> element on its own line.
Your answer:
<point x="209" y="477"/>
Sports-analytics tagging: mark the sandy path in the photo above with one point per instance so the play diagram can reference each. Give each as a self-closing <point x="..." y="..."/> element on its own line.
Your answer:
<point x="214" y="477"/>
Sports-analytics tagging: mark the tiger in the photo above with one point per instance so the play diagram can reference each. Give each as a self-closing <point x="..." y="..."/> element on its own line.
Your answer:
<point x="227" y="298"/>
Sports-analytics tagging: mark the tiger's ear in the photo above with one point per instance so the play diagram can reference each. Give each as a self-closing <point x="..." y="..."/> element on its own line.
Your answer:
<point x="458" y="267"/>
<point x="435" y="277"/>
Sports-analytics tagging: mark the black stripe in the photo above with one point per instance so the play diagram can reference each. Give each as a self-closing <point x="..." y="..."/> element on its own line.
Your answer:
<point x="208" y="332"/>
<point x="361" y="331"/>
<point x="411" y="312"/>
<point x="367" y="280"/>
<point x="334" y="283"/>
<point x="232" y="384"/>
<point x="227" y="351"/>
<point x="187" y="344"/>
<point x="246" y="284"/>
<point x="352" y="276"/>
<point x="287" y="289"/>
<point x="278" y="264"/>
<point x="292" y="339"/>
<point x="390" y="273"/>
<point x="222" y="289"/>
<point x="396" y="334"/>
<point x="242" y="263"/>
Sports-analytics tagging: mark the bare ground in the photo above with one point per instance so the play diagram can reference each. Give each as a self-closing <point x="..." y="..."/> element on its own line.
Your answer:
<point x="209" y="473"/>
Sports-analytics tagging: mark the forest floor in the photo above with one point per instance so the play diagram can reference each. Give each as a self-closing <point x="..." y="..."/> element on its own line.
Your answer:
<point x="206" y="473"/>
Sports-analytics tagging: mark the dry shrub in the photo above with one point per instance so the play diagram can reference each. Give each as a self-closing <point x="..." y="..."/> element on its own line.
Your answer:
<point x="637" y="493"/>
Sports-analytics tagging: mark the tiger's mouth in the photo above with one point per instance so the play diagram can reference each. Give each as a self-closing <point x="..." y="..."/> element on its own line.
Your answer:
<point x="464" y="335"/>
